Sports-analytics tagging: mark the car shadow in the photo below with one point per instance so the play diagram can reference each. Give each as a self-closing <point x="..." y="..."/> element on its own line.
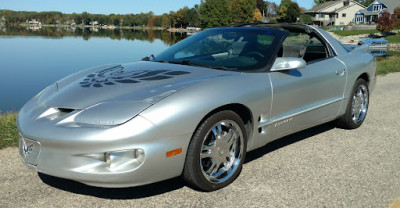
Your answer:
<point x="113" y="193"/>
<point x="288" y="140"/>
<point x="175" y="183"/>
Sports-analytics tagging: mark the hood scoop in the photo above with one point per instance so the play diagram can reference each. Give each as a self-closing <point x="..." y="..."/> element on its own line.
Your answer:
<point x="65" y="110"/>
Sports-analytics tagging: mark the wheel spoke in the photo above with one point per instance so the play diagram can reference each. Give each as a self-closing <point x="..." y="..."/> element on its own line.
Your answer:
<point x="217" y="131"/>
<point x="207" y="152"/>
<point x="233" y="137"/>
<point x="213" y="168"/>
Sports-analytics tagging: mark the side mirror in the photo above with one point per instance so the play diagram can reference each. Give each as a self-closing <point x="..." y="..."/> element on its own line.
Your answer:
<point x="288" y="63"/>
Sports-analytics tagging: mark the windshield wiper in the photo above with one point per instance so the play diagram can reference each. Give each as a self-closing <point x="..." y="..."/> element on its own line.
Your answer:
<point x="147" y="58"/>
<point x="187" y="62"/>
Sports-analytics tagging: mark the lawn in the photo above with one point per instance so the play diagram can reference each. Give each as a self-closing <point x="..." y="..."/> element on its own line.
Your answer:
<point x="393" y="38"/>
<point x="8" y="130"/>
<point x="354" y="32"/>
<point x="389" y="64"/>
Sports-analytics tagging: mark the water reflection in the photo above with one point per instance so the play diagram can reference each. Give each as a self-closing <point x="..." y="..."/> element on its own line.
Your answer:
<point x="33" y="58"/>
<point x="166" y="37"/>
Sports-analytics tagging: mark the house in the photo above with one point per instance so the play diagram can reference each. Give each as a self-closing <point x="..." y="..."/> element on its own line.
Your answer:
<point x="373" y="11"/>
<point x="34" y="22"/>
<point x="94" y="23"/>
<point x="330" y="13"/>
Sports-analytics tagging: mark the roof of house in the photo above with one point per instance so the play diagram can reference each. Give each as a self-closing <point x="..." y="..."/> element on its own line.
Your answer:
<point x="331" y="3"/>
<point x="323" y="6"/>
<point x="366" y="12"/>
<point x="391" y="4"/>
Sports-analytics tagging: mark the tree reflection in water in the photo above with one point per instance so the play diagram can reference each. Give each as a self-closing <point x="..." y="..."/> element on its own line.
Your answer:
<point x="169" y="38"/>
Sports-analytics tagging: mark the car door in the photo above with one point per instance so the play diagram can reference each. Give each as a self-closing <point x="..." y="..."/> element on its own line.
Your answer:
<point x="304" y="97"/>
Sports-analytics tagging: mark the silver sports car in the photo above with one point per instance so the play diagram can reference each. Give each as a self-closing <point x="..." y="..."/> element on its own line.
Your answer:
<point x="195" y="109"/>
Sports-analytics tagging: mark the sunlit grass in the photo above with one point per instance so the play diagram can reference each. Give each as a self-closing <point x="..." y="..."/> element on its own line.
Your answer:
<point x="393" y="38"/>
<point x="354" y="32"/>
<point x="8" y="130"/>
<point x="388" y="65"/>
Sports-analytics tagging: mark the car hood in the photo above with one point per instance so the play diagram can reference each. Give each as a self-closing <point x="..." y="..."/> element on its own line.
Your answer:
<point x="144" y="82"/>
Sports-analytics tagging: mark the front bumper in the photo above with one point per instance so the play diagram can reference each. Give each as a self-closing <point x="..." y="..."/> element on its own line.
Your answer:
<point x="78" y="152"/>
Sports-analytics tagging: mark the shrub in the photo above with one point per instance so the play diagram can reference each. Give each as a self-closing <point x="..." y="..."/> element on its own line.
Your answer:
<point x="386" y="22"/>
<point x="305" y="19"/>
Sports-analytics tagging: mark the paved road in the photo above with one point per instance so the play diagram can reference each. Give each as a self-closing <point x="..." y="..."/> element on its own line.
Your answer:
<point x="320" y="167"/>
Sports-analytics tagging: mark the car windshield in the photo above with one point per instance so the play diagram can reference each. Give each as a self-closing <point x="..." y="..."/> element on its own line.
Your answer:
<point x="238" y="49"/>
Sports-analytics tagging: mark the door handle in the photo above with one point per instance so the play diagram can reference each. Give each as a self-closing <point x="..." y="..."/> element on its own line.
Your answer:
<point x="340" y="72"/>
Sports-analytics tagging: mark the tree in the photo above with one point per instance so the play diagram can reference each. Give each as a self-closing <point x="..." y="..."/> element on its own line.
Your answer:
<point x="85" y="18"/>
<point x="396" y="15"/>
<point x="114" y="19"/>
<point x="366" y="2"/>
<point x="261" y="6"/>
<point x="77" y="18"/>
<point x="165" y="21"/>
<point x="318" y="2"/>
<point x="305" y="19"/>
<point x="257" y="16"/>
<point x="385" y="23"/>
<point x="193" y="16"/>
<point x="288" y="11"/>
<point x="214" y="13"/>
<point x="129" y="20"/>
<point x="242" y="11"/>
<point x="151" y="22"/>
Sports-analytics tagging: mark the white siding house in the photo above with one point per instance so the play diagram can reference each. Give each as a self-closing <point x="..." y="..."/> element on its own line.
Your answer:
<point x="330" y="13"/>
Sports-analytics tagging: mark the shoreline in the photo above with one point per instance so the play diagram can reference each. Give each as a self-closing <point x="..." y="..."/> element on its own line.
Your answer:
<point x="111" y="27"/>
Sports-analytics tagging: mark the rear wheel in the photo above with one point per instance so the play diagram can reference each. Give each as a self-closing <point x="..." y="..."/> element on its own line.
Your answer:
<point x="216" y="152"/>
<point x="357" y="107"/>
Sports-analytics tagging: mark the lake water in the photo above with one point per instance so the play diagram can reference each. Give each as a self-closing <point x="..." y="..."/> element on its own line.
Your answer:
<point x="32" y="58"/>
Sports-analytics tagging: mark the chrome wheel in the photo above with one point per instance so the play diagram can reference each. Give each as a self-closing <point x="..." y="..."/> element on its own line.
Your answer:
<point x="216" y="152"/>
<point x="359" y="104"/>
<point x="221" y="151"/>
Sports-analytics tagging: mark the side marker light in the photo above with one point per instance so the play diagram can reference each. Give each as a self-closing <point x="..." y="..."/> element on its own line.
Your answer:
<point x="174" y="152"/>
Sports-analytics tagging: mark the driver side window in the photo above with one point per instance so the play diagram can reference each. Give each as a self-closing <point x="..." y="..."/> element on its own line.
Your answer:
<point x="302" y="45"/>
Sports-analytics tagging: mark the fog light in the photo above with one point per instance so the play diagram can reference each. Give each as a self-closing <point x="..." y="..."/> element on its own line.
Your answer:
<point x="124" y="159"/>
<point x="139" y="154"/>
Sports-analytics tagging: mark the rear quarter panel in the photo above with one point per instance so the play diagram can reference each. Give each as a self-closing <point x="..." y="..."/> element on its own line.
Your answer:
<point x="357" y="64"/>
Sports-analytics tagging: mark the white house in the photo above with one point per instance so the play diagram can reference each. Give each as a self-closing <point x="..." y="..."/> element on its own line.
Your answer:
<point x="340" y="12"/>
<point x="373" y="11"/>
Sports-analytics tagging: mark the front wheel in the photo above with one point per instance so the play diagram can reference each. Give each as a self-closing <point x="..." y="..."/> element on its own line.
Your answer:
<point x="357" y="107"/>
<point x="216" y="152"/>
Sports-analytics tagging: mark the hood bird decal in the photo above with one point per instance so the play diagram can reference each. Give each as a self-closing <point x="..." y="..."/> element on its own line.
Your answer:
<point x="117" y="74"/>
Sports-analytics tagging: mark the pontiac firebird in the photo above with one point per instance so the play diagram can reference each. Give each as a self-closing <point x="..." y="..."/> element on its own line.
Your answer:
<point x="195" y="109"/>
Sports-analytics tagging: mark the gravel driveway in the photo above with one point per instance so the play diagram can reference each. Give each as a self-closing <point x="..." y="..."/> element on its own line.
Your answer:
<point x="319" y="167"/>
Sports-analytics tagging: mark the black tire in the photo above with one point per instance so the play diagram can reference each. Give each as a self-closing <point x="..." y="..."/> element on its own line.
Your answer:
<point x="357" y="107"/>
<point x="224" y="134"/>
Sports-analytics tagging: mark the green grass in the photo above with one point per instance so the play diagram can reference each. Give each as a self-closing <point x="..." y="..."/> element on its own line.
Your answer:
<point x="388" y="65"/>
<point x="393" y="38"/>
<point x="354" y="32"/>
<point x="8" y="130"/>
